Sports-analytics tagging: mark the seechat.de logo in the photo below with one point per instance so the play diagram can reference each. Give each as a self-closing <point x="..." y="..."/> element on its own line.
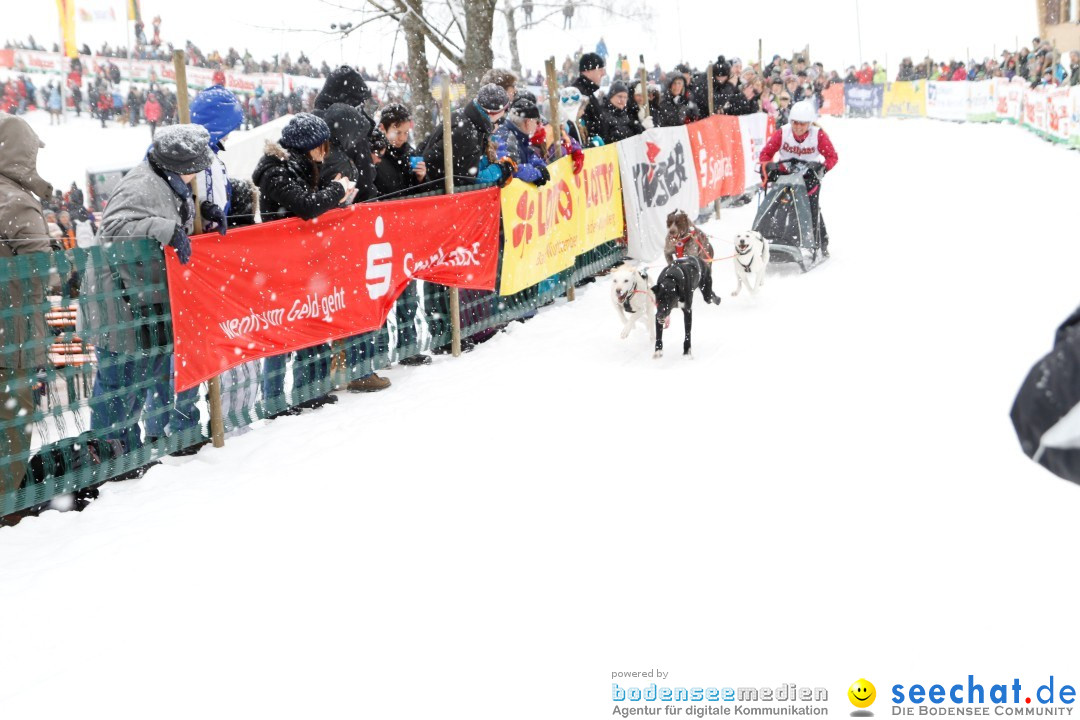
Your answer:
<point x="862" y="695"/>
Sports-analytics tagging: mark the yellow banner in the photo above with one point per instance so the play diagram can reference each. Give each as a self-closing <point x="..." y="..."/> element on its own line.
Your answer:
<point x="66" y="8"/>
<point x="546" y="228"/>
<point x="904" y="99"/>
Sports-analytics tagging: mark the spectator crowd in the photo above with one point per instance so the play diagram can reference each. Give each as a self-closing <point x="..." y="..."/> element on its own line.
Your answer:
<point x="340" y="147"/>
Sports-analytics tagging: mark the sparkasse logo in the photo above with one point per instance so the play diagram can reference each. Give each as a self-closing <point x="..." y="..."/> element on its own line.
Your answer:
<point x="1050" y="698"/>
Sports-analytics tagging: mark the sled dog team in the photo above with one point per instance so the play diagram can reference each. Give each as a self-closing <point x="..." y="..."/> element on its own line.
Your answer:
<point x="689" y="256"/>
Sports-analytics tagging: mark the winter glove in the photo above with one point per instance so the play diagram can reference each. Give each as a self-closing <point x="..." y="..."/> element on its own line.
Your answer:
<point x="596" y="141"/>
<point x="575" y="152"/>
<point x="539" y="138"/>
<point x="212" y="213"/>
<point x="508" y="168"/>
<point x="181" y="244"/>
<point x="648" y="123"/>
<point x="545" y="176"/>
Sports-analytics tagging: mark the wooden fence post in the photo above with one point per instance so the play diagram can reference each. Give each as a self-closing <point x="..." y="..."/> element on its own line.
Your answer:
<point x="217" y="418"/>
<point x="448" y="184"/>
<point x="556" y="131"/>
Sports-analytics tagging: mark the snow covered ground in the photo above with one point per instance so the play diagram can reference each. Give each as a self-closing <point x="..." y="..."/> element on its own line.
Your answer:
<point x="829" y="490"/>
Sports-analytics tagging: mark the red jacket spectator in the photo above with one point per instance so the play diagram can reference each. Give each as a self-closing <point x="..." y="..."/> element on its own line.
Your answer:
<point x="152" y="110"/>
<point x="960" y="73"/>
<point x="866" y="75"/>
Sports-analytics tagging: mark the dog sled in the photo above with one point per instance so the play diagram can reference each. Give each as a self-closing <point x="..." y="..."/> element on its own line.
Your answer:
<point x="786" y="220"/>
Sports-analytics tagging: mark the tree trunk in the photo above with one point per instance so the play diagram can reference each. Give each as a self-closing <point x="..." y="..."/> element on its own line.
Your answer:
<point x="423" y="104"/>
<point x="511" y="32"/>
<point x="479" y="22"/>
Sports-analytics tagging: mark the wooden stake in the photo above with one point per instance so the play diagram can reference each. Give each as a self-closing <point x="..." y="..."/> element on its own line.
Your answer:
<point x="553" y="106"/>
<point x="448" y="184"/>
<point x="556" y="130"/>
<point x="217" y="417"/>
<point x="712" y="102"/>
<point x="712" y="109"/>
<point x="644" y="85"/>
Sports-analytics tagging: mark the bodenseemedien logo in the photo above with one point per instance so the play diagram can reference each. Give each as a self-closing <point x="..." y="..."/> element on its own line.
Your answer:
<point x="862" y="695"/>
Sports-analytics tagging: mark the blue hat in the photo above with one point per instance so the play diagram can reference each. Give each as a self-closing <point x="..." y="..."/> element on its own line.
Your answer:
<point x="305" y="132"/>
<point x="217" y="110"/>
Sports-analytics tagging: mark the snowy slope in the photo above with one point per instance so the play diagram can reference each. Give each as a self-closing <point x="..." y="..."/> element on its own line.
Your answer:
<point x="830" y="490"/>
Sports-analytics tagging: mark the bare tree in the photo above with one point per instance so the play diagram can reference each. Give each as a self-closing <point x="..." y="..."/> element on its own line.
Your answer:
<point x="466" y="41"/>
<point x="623" y="9"/>
<point x="423" y="109"/>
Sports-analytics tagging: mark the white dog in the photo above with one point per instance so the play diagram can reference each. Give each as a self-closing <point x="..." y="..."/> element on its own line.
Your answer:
<point x="633" y="300"/>
<point x="751" y="259"/>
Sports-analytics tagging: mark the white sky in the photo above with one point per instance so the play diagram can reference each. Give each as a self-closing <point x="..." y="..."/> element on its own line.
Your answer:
<point x="692" y="30"/>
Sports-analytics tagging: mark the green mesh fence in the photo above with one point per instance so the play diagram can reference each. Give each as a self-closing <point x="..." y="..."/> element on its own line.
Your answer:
<point x="85" y="363"/>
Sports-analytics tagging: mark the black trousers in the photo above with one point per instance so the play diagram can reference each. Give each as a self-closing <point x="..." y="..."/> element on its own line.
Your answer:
<point x="813" y="185"/>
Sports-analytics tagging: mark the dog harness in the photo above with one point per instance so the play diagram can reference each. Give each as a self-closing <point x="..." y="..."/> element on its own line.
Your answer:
<point x="746" y="268"/>
<point x="680" y="245"/>
<point x="625" y="303"/>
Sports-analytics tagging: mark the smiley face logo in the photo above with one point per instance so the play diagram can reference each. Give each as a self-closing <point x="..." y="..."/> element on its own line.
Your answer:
<point x="862" y="693"/>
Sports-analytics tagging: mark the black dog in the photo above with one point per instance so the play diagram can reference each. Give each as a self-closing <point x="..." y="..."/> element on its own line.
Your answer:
<point x="676" y="286"/>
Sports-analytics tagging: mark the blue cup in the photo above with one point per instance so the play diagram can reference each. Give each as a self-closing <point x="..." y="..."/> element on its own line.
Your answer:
<point x="415" y="160"/>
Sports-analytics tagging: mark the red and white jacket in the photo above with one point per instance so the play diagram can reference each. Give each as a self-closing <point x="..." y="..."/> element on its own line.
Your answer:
<point x="814" y="146"/>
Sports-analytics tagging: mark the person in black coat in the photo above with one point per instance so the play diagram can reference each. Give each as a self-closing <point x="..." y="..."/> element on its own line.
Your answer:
<point x="592" y="71"/>
<point x="340" y="104"/>
<point x="674" y="110"/>
<point x="472" y="126"/>
<point x="729" y="99"/>
<point x="292" y="184"/>
<point x="396" y="173"/>
<point x="620" y="122"/>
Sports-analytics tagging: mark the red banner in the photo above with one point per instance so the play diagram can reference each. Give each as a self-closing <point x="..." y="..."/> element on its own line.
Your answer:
<point x="716" y="144"/>
<point x="833" y="97"/>
<point x="282" y="286"/>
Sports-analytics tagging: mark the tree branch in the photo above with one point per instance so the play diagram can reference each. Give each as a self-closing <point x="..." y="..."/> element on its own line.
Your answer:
<point x="438" y="39"/>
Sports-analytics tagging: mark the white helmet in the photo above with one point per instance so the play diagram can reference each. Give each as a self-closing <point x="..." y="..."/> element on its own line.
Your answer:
<point x="803" y="111"/>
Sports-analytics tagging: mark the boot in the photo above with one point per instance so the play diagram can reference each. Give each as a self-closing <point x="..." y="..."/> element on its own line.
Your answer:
<point x="189" y="451"/>
<point x="414" y="360"/>
<point x="371" y="383"/>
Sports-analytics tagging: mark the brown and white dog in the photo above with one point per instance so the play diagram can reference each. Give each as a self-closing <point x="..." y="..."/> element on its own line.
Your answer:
<point x="683" y="238"/>
<point x="751" y="259"/>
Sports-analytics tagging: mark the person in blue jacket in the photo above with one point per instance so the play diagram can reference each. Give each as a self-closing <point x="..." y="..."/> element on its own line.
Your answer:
<point x="512" y="140"/>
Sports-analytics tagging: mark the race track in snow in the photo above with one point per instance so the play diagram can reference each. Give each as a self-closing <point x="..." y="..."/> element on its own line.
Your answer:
<point x="829" y="490"/>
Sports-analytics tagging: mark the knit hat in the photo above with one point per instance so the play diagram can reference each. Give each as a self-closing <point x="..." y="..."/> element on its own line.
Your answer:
<point x="305" y="132"/>
<point x="590" y="61"/>
<point x="617" y="87"/>
<point x="492" y="98"/>
<point x="182" y="149"/>
<point x="524" y="109"/>
<point x="217" y="110"/>
<point x="721" y="67"/>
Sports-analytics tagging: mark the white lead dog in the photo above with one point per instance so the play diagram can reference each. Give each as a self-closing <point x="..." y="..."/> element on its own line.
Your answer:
<point x="633" y="300"/>
<point x="751" y="259"/>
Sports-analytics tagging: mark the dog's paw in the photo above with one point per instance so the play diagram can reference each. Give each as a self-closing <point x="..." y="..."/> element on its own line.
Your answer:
<point x="657" y="354"/>
<point x="688" y="355"/>
<point x="625" y="333"/>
